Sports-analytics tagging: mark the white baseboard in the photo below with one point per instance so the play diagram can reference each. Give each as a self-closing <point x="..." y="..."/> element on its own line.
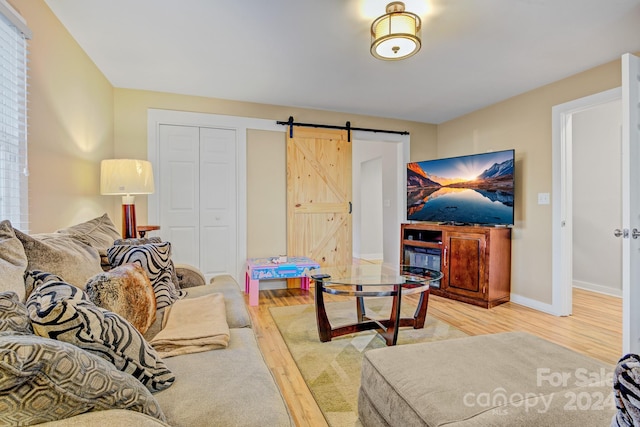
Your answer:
<point x="371" y="257"/>
<point x="606" y="290"/>
<point x="531" y="303"/>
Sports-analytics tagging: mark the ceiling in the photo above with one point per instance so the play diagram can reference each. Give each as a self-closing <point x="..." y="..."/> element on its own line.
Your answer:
<point x="315" y="53"/>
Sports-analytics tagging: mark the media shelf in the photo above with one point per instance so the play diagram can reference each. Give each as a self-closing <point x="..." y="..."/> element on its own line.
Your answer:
<point x="475" y="261"/>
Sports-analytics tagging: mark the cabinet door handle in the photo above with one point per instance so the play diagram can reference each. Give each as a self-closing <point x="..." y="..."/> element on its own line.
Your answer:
<point x="445" y="256"/>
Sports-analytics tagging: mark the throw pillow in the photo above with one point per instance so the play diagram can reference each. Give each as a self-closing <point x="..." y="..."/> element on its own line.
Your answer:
<point x="13" y="314"/>
<point x="35" y="278"/>
<point x="13" y="261"/>
<point x="144" y="241"/>
<point x="127" y="291"/>
<point x="155" y="259"/>
<point x="98" y="233"/>
<point x="63" y="312"/>
<point x="46" y="380"/>
<point x="62" y="255"/>
<point x="626" y="390"/>
<point x="134" y="241"/>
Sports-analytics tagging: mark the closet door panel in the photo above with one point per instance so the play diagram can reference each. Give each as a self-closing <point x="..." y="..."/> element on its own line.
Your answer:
<point x="218" y="189"/>
<point x="179" y="187"/>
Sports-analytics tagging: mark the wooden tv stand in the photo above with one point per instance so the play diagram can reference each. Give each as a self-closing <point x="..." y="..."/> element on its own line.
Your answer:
<point x="475" y="260"/>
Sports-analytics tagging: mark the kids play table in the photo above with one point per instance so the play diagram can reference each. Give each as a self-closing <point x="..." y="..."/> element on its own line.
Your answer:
<point x="276" y="268"/>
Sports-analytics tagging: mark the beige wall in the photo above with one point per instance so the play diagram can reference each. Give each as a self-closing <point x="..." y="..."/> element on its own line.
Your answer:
<point x="524" y="123"/>
<point x="266" y="193"/>
<point x="70" y="125"/>
<point x="78" y="119"/>
<point x="131" y="141"/>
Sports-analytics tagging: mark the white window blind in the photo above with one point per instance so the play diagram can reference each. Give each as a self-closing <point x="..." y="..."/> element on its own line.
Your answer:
<point x="13" y="118"/>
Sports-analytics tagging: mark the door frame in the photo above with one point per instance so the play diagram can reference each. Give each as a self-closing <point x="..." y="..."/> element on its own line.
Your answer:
<point x="157" y="117"/>
<point x="562" y="196"/>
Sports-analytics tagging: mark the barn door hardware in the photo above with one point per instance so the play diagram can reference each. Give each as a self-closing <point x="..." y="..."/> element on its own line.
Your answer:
<point x="291" y="123"/>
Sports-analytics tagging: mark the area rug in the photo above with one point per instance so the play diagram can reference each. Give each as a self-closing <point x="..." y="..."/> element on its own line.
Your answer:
<point x="332" y="369"/>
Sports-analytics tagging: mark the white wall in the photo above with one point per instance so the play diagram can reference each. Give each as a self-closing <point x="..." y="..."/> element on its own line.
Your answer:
<point x="391" y="156"/>
<point x="597" y="254"/>
<point x="371" y="218"/>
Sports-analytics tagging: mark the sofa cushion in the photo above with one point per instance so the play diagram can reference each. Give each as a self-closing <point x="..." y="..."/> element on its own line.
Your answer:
<point x="63" y="312"/>
<point x="62" y="255"/>
<point x="98" y="233"/>
<point x="113" y="417"/>
<point x="155" y="259"/>
<point x="13" y="261"/>
<point x="240" y="387"/>
<point x="13" y="314"/>
<point x="127" y="291"/>
<point x="45" y="380"/>
<point x="237" y="314"/>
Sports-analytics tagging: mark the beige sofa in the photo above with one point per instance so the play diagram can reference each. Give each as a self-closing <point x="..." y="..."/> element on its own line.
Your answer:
<point x="227" y="387"/>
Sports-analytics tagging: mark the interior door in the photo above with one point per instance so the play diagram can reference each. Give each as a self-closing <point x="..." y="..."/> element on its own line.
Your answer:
<point x="197" y="196"/>
<point x="319" y="196"/>
<point x="631" y="203"/>
<point x="178" y="191"/>
<point x="218" y="192"/>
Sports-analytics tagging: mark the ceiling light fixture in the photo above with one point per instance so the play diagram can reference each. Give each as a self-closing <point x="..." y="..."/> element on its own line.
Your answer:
<point x="396" y="34"/>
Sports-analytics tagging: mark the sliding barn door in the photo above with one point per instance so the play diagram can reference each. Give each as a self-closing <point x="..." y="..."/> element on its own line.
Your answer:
<point x="319" y="195"/>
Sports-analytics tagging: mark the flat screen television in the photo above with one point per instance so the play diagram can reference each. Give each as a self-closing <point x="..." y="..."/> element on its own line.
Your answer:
<point x="474" y="189"/>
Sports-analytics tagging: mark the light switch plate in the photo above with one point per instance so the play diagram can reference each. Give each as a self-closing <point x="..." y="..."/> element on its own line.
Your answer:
<point x="544" y="198"/>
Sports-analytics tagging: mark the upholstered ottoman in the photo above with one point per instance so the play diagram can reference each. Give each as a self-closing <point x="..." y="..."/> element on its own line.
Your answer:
<point x="509" y="379"/>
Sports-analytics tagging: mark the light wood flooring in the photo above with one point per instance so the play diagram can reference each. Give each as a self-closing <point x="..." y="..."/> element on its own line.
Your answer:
<point x="595" y="329"/>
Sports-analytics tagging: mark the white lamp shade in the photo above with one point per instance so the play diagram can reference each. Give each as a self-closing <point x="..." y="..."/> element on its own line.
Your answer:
<point x="126" y="176"/>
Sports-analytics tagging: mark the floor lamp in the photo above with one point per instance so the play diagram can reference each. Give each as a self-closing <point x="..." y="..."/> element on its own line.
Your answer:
<point x="126" y="178"/>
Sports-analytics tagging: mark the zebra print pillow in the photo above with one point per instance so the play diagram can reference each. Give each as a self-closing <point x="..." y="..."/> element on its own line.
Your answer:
<point x="63" y="312"/>
<point x="35" y="278"/>
<point x="626" y="391"/>
<point x="143" y="241"/>
<point x="155" y="259"/>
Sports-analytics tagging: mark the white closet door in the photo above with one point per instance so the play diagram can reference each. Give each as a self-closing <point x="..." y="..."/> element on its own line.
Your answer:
<point x="218" y="192"/>
<point x="179" y="190"/>
<point x="197" y="194"/>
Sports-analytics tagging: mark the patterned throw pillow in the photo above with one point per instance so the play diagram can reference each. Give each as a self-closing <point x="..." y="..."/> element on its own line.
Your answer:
<point x="143" y="241"/>
<point x="35" y="278"/>
<point x="13" y="261"/>
<point x="63" y="312"/>
<point x="155" y="259"/>
<point x="13" y="314"/>
<point x="127" y="291"/>
<point x="46" y="380"/>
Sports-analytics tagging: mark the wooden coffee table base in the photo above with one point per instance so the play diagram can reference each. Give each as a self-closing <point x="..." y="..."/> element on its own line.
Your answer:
<point x="387" y="328"/>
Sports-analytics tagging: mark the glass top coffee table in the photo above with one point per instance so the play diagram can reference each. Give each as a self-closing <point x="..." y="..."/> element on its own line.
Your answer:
<point x="373" y="280"/>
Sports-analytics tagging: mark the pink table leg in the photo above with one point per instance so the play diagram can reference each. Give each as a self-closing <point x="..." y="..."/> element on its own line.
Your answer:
<point x="304" y="283"/>
<point x="254" y="287"/>
<point x="246" y="282"/>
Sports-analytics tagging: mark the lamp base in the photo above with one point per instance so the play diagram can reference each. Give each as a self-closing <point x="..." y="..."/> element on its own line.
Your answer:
<point x="128" y="221"/>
